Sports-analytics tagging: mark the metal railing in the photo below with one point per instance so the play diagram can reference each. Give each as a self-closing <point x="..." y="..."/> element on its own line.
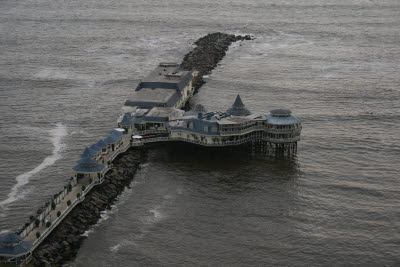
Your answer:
<point x="119" y="151"/>
<point x="199" y="142"/>
<point x="214" y="143"/>
<point x="57" y="221"/>
<point x="150" y="132"/>
<point x="244" y="131"/>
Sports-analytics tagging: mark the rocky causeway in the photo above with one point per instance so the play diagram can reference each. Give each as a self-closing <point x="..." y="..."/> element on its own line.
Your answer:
<point x="63" y="244"/>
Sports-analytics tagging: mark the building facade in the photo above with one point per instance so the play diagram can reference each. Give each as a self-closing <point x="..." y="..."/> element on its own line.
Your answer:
<point x="235" y="126"/>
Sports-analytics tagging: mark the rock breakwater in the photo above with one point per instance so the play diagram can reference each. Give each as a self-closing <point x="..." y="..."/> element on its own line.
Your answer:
<point x="63" y="243"/>
<point x="209" y="51"/>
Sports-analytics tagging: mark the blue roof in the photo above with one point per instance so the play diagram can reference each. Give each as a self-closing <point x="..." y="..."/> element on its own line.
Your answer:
<point x="282" y="120"/>
<point x="238" y="102"/>
<point x="87" y="161"/>
<point x="11" y="238"/>
<point x="155" y="119"/>
<point x="95" y="149"/>
<point x="238" y="108"/>
<point x="111" y="139"/>
<point x="88" y="165"/>
<point x="12" y="245"/>
<point x="150" y="104"/>
<point x="88" y="153"/>
<point x="144" y="104"/>
<point x="101" y="144"/>
<point x="178" y="85"/>
<point x="116" y="133"/>
<point x="200" y="107"/>
<point x="128" y="121"/>
<point x="125" y="120"/>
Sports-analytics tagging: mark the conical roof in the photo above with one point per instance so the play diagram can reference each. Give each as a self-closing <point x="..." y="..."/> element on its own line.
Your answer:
<point x="88" y="153"/>
<point x="95" y="149"/>
<point x="238" y="102"/>
<point x="88" y="165"/>
<point x="200" y="107"/>
<point x="116" y="133"/>
<point x="238" y="108"/>
<point x="12" y="245"/>
<point x="111" y="139"/>
<point x="87" y="161"/>
<point x="101" y="144"/>
<point x="10" y="239"/>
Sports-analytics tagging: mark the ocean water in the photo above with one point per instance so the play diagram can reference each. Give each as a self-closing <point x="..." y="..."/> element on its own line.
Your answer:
<point x="66" y="68"/>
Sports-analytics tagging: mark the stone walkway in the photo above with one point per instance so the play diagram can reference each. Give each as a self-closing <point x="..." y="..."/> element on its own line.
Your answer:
<point x="62" y="206"/>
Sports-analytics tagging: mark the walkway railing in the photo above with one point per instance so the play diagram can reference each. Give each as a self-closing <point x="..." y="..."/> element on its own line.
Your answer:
<point x="199" y="142"/>
<point x="119" y="151"/>
<point x="57" y="222"/>
<point x="220" y="143"/>
<point x="59" y="219"/>
<point x="150" y="132"/>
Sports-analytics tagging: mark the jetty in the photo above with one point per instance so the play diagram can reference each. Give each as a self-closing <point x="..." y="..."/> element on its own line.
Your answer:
<point x="156" y="111"/>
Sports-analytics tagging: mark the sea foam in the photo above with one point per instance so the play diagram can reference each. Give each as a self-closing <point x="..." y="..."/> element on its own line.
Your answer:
<point x="56" y="136"/>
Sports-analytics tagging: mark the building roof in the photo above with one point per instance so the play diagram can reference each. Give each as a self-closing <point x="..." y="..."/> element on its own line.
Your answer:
<point x="285" y="120"/>
<point x="111" y="139"/>
<point x="200" y="107"/>
<point x="167" y="76"/>
<point x="88" y="165"/>
<point x="10" y="239"/>
<point x="116" y="133"/>
<point x="161" y="88"/>
<point x="102" y="144"/>
<point x="281" y="112"/>
<point x="88" y="153"/>
<point x="95" y="149"/>
<point x="238" y="102"/>
<point x="238" y="108"/>
<point x="126" y="120"/>
<point x="12" y="245"/>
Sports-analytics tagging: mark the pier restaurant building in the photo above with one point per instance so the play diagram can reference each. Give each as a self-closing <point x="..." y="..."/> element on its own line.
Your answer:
<point x="237" y="125"/>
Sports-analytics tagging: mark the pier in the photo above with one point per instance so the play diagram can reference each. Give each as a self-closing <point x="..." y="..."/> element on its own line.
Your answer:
<point x="153" y="114"/>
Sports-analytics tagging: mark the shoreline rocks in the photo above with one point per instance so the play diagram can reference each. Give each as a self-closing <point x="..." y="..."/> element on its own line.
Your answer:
<point x="63" y="244"/>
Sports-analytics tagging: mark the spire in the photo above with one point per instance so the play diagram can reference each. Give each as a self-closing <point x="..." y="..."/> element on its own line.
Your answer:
<point x="238" y="102"/>
<point x="238" y="108"/>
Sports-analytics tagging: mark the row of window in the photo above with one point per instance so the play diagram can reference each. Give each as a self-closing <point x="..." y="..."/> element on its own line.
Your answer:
<point x="282" y="136"/>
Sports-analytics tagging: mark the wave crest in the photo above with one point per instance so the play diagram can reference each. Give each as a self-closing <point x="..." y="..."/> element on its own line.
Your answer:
<point x="56" y="136"/>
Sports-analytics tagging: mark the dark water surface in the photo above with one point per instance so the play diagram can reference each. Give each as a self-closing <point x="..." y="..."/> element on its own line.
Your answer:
<point x="66" y="68"/>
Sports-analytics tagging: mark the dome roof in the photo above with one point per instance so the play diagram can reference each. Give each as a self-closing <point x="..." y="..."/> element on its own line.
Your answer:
<point x="88" y="165"/>
<point x="101" y="144"/>
<point x="281" y="112"/>
<point x="116" y="133"/>
<point x="88" y="153"/>
<point x="111" y="139"/>
<point x="238" y="108"/>
<point x="200" y="107"/>
<point x="12" y="245"/>
<point x="10" y="239"/>
<point x="282" y="120"/>
<point x="95" y="149"/>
